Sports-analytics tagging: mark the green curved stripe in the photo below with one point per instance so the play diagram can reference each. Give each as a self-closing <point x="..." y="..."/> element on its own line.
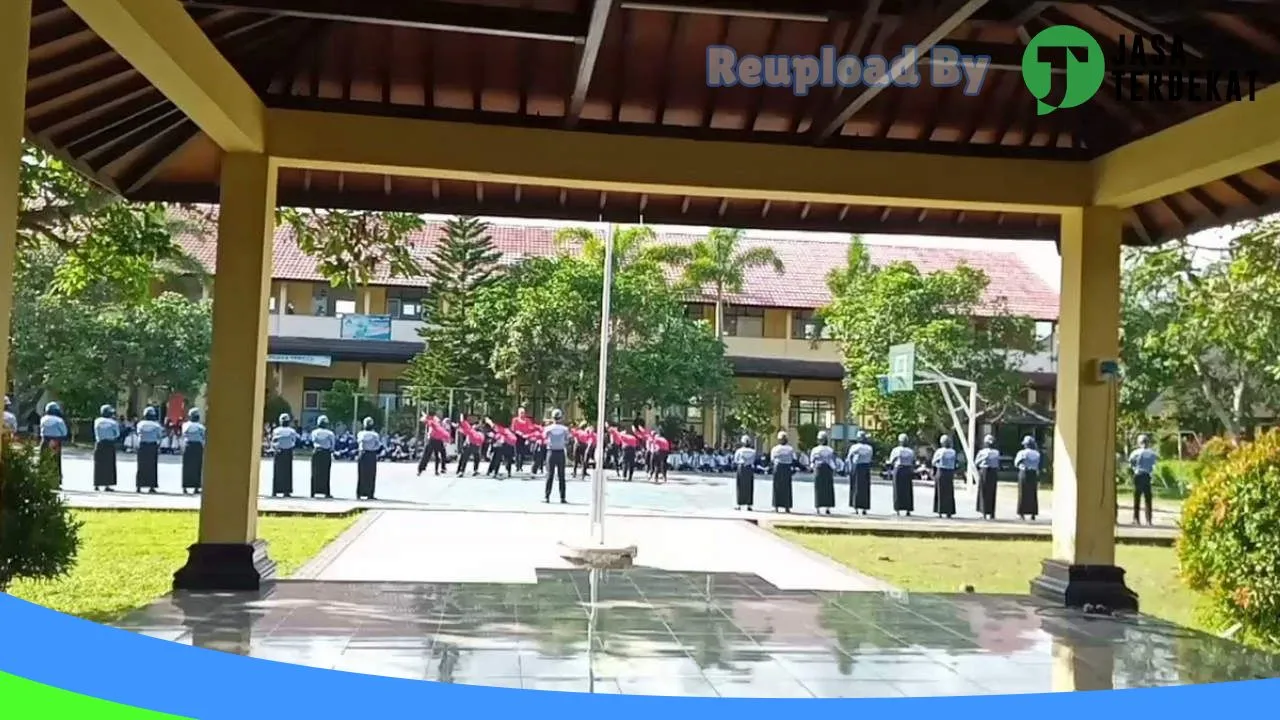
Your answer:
<point x="22" y="699"/>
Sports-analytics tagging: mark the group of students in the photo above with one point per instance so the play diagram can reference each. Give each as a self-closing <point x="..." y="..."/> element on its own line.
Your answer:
<point x="903" y="464"/>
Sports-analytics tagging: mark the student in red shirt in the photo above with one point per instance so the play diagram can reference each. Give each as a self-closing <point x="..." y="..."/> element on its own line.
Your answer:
<point x="523" y="426"/>
<point x="629" y="445"/>
<point x="469" y="449"/>
<point x="437" y="436"/>
<point x="658" y="458"/>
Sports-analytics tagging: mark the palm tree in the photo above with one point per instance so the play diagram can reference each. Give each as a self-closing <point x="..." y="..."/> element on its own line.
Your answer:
<point x="717" y="263"/>
<point x="632" y="246"/>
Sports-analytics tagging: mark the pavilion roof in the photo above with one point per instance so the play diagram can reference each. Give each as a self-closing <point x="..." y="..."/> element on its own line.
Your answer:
<point x="517" y="62"/>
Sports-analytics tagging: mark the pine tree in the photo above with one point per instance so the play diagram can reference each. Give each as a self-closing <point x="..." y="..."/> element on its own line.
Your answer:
<point x="457" y="352"/>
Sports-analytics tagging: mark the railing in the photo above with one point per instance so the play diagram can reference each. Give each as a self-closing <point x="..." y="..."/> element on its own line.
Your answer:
<point x="782" y="348"/>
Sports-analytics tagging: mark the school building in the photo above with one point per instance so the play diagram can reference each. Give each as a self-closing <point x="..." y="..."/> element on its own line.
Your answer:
<point x="319" y="334"/>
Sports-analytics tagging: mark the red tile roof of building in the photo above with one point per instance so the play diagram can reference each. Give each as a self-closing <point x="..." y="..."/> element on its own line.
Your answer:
<point x="802" y="285"/>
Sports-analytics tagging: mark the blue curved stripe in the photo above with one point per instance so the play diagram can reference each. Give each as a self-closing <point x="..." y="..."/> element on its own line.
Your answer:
<point x="123" y="667"/>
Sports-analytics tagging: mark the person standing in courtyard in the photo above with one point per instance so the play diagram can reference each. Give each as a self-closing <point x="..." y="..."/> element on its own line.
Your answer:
<point x="106" y="433"/>
<point x="903" y="461"/>
<point x="860" y="457"/>
<point x="1143" y="462"/>
<point x="522" y="425"/>
<point x="437" y="436"/>
<point x="193" y="436"/>
<point x="783" y="457"/>
<point x="469" y="449"/>
<point x="370" y="444"/>
<point x="53" y="433"/>
<point x="988" y="465"/>
<point x="322" y="443"/>
<point x="944" y="479"/>
<point x="658" y="457"/>
<point x="557" y="436"/>
<point x="629" y="444"/>
<point x="10" y="420"/>
<point x="1027" y="461"/>
<point x="538" y="449"/>
<point x="150" y="433"/>
<point x="823" y="461"/>
<point x="283" y="439"/>
<point x="744" y="459"/>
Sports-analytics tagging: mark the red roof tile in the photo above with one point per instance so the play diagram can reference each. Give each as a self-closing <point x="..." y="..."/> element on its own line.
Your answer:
<point x="802" y="285"/>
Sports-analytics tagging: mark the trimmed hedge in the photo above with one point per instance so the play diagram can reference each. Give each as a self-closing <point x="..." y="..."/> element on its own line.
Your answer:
<point x="1230" y="543"/>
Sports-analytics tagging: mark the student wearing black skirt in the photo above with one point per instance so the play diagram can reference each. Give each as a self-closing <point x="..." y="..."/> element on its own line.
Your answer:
<point x="988" y="465"/>
<point x="744" y="459"/>
<point x="1027" y="461"/>
<point x="322" y="441"/>
<point x="783" y="457"/>
<point x="106" y="433"/>
<point x="860" y="457"/>
<point x="370" y="444"/>
<point x="823" y="461"/>
<point x="53" y="433"/>
<point x="283" y="439"/>
<point x="193" y="438"/>
<point x="150" y="433"/>
<point x="944" y="479"/>
<point x="903" y="461"/>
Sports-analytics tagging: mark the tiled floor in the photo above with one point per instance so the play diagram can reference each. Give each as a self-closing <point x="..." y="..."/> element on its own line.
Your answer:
<point x="695" y="634"/>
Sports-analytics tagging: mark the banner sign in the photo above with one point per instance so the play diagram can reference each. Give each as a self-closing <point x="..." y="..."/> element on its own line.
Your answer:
<point x="312" y="360"/>
<point x="366" y="327"/>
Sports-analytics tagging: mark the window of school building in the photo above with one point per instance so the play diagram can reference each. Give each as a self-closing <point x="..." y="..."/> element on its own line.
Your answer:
<point x="806" y="325"/>
<point x="742" y="321"/>
<point x="405" y="303"/>
<point x="820" y="411"/>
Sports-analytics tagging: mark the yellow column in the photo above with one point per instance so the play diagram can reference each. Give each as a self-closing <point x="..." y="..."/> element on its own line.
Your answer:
<point x="784" y="408"/>
<point x="1082" y="569"/>
<point x="229" y="555"/>
<point x="15" y="31"/>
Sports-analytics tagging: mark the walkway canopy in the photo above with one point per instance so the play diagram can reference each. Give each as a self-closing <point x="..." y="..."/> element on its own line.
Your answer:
<point x="577" y="109"/>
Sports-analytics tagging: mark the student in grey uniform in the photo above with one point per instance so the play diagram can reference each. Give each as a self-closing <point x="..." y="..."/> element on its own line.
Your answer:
<point x="1027" y="461"/>
<point x="1143" y="461"/>
<point x="988" y="465"/>
<point x="557" y="436"/>
<point x="944" y="479"/>
<point x="283" y="439"/>
<point x="150" y="433"/>
<point x="53" y="433"/>
<point x="783" y="457"/>
<point x="903" y="461"/>
<point x="823" y="461"/>
<point x="370" y="444"/>
<point x="322" y="442"/>
<point x="744" y="459"/>
<point x="106" y="433"/>
<point x="193" y="439"/>
<point x="860" y="456"/>
<point x="10" y="420"/>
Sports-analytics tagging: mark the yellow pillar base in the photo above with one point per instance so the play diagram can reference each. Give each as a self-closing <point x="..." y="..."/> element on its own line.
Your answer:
<point x="229" y="555"/>
<point x="1081" y="668"/>
<point x="1082" y="570"/>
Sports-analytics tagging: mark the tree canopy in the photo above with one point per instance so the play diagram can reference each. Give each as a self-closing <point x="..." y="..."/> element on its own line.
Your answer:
<point x="874" y="308"/>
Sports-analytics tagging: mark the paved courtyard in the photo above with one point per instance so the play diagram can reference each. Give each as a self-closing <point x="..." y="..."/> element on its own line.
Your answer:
<point x="686" y="494"/>
<point x="658" y="632"/>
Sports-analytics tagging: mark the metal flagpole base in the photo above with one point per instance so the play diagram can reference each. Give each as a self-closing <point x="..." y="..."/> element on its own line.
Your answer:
<point x="598" y="556"/>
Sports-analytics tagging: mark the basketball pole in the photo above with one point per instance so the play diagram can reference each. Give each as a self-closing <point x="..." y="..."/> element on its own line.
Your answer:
<point x="597" y="478"/>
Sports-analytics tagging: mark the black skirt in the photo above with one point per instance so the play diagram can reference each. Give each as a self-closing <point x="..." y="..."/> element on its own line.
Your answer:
<point x="860" y="487"/>
<point x="782" y="485"/>
<point x="1028" y="492"/>
<point x="282" y="473"/>
<point x="366" y="474"/>
<point x="148" y="472"/>
<point x="904" y="492"/>
<point x="944" y="491"/>
<point x="824" y="487"/>
<point x="321" y="466"/>
<point x="746" y="486"/>
<point x="193" y="466"/>
<point x="52" y="448"/>
<point x="104" y="463"/>
<point x="987" y="491"/>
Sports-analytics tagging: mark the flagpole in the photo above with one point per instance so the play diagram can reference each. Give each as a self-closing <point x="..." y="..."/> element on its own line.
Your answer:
<point x="597" y="479"/>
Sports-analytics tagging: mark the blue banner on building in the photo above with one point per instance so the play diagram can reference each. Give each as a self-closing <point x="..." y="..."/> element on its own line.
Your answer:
<point x="366" y="327"/>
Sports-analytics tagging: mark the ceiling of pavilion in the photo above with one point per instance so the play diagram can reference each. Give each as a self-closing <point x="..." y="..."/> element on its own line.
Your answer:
<point x="520" y="62"/>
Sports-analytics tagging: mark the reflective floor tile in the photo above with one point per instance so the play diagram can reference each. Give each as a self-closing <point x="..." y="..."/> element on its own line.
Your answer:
<point x="848" y="688"/>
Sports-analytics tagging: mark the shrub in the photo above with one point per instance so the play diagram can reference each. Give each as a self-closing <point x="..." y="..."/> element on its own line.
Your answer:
<point x="274" y="407"/>
<point x="1230" y="543"/>
<point x="807" y="435"/>
<point x="1212" y="453"/>
<point x="38" y="537"/>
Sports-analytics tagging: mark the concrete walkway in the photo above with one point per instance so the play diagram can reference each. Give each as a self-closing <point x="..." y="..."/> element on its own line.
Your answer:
<point x="435" y="547"/>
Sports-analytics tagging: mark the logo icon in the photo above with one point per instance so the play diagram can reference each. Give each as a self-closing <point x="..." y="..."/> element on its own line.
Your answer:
<point x="1077" y="58"/>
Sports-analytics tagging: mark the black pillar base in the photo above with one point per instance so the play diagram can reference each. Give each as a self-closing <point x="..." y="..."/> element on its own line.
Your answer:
<point x="226" y="567"/>
<point x="1075" y="586"/>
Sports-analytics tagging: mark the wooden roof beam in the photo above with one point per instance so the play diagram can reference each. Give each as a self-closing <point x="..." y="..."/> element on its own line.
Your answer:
<point x="588" y="54"/>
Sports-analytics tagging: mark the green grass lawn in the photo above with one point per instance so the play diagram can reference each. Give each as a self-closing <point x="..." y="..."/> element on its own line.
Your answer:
<point x="127" y="559"/>
<point x="945" y="565"/>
